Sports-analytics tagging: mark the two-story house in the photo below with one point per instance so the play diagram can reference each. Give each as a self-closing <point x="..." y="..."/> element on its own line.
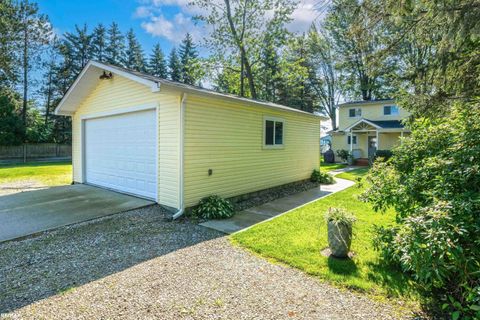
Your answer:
<point x="367" y="126"/>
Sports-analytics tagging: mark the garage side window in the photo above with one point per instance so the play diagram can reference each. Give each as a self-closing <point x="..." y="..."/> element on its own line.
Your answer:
<point x="273" y="132"/>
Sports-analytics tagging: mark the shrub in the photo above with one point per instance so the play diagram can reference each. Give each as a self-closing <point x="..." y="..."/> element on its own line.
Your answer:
<point x="321" y="177"/>
<point x="433" y="183"/>
<point x="343" y="154"/>
<point x="214" y="207"/>
<point x="340" y="216"/>
<point x="383" y="155"/>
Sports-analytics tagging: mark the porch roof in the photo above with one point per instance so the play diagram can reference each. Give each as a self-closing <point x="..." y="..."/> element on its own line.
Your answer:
<point x="376" y="124"/>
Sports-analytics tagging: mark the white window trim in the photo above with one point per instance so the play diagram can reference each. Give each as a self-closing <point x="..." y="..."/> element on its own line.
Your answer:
<point x="274" y="146"/>
<point x="391" y="114"/>
<point x="356" y="113"/>
<point x="356" y="139"/>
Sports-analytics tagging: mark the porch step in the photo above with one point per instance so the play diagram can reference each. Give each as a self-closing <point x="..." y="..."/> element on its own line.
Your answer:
<point x="362" y="162"/>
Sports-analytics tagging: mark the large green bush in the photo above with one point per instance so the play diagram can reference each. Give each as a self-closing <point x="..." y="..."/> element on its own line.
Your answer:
<point x="433" y="182"/>
<point x="343" y="154"/>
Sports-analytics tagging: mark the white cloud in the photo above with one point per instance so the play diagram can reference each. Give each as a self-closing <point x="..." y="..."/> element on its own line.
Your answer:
<point x="142" y="12"/>
<point x="303" y="16"/>
<point x="173" y="30"/>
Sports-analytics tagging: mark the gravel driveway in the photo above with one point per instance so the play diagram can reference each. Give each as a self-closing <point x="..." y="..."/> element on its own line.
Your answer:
<point x="136" y="265"/>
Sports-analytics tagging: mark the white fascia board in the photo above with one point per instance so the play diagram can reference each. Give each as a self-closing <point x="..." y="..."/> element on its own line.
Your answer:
<point x="153" y="85"/>
<point x="360" y="121"/>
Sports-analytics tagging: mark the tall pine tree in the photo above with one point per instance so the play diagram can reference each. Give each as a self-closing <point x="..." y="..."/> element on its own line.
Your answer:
<point x="134" y="58"/>
<point x="174" y="66"/>
<point x="156" y="64"/>
<point x="80" y="44"/>
<point x="188" y="60"/>
<point x="115" y="45"/>
<point x="34" y="31"/>
<point x="99" y="43"/>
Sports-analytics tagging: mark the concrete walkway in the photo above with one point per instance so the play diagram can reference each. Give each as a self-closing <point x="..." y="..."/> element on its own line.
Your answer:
<point x="254" y="215"/>
<point x="346" y="169"/>
<point x="26" y="213"/>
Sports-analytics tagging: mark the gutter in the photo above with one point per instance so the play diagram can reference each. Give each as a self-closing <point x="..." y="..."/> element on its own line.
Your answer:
<point x="180" y="212"/>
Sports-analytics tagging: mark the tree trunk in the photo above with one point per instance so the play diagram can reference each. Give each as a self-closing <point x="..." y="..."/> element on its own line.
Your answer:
<point x="251" y="83"/>
<point x="25" y="76"/>
<point x="239" y="43"/>
<point x="242" y="79"/>
<point x="49" y="97"/>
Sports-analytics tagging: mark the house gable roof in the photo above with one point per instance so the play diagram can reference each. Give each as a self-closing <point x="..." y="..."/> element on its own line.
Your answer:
<point x="89" y="78"/>
<point x="378" y="124"/>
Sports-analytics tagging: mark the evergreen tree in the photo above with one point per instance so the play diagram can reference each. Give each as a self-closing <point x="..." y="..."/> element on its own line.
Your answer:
<point x="134" y="58"/>
<point x="188" y="60"/>
<point x="33" y="35"/>
<point x="99" y="43"/>
<point x="47" y="89"/>
<point x="80" y="47"/>
<point x="156" y="64"/>
<point x="115" y="45"/>
<point x="12" y="130"/>
<point x="8" y="27"/>
<point x="174" y="66"/>
<point x="269" y="70"/>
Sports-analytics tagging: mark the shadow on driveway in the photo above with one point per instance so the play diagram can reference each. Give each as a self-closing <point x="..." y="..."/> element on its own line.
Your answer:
<point x="56" y="261"/>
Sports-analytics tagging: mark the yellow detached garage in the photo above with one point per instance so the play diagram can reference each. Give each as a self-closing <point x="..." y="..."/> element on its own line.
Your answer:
<point x="176" y="143"/>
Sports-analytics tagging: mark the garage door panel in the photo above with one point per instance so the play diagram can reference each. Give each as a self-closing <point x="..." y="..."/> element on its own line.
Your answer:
<point x="120" y="153"/>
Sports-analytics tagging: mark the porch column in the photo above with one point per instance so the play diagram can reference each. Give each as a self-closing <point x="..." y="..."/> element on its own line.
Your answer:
<point x="401" y="136"/>
<point x="351" y="141"/>
<point x="378" y="141"/>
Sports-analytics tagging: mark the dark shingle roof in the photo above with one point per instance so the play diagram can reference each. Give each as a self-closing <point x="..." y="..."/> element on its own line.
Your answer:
<point x="364" y="102"/>
<point x="388" y="124"/>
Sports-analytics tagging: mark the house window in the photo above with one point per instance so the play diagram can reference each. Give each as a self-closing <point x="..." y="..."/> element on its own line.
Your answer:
<point x="355" y="112"/>
<point x="349" y="139"/>
<point x="274" y="130"/>
<point x="390" y="110"/>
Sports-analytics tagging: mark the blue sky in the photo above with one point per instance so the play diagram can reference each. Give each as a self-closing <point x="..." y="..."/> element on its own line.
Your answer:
<point x="154" y="21"/>
<point x="65" y="14"/>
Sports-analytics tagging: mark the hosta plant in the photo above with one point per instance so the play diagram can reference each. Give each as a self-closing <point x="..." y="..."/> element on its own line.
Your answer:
<point x="214" y="207"/>
<point x="321" y="177"/>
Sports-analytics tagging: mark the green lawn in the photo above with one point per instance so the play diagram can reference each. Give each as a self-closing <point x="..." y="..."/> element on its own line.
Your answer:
<point x="326" y="167"/>
<point x="50" y="174"/>
<point x="297" y="238"/>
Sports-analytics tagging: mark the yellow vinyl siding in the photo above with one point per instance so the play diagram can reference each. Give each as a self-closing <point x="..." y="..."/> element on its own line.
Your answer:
<point x="387" y="141"/>
<point x="371" y="111"/>
<point x="169" y="151"/>
<point x="120" y="93"/>
<point x="227" y="137"/>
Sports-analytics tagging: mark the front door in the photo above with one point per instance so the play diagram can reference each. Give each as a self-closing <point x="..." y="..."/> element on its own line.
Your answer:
<point x="372" y="147"/>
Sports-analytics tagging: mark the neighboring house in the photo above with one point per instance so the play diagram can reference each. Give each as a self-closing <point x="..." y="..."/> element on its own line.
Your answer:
<point x="325" y="143"/>
<point x="367" y="126"/>
<point x="176" y="143"/>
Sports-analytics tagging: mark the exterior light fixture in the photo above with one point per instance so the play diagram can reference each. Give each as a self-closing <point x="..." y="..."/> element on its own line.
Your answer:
<point x="106" y="76"/>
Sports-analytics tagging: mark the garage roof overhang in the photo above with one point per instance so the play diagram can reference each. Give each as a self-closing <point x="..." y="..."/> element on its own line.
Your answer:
<point x="88" y="80"/>
<point x="90" y="76"/>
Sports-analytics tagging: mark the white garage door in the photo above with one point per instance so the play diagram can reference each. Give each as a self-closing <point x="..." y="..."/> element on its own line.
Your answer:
<point x="120" y="153"/>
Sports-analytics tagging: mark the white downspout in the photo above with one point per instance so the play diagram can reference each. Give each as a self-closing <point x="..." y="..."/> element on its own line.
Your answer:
<point x="180" y="211"/>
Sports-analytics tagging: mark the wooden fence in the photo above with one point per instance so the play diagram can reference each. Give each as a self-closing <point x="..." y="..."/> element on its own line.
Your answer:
<point x="29" y="151"/>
